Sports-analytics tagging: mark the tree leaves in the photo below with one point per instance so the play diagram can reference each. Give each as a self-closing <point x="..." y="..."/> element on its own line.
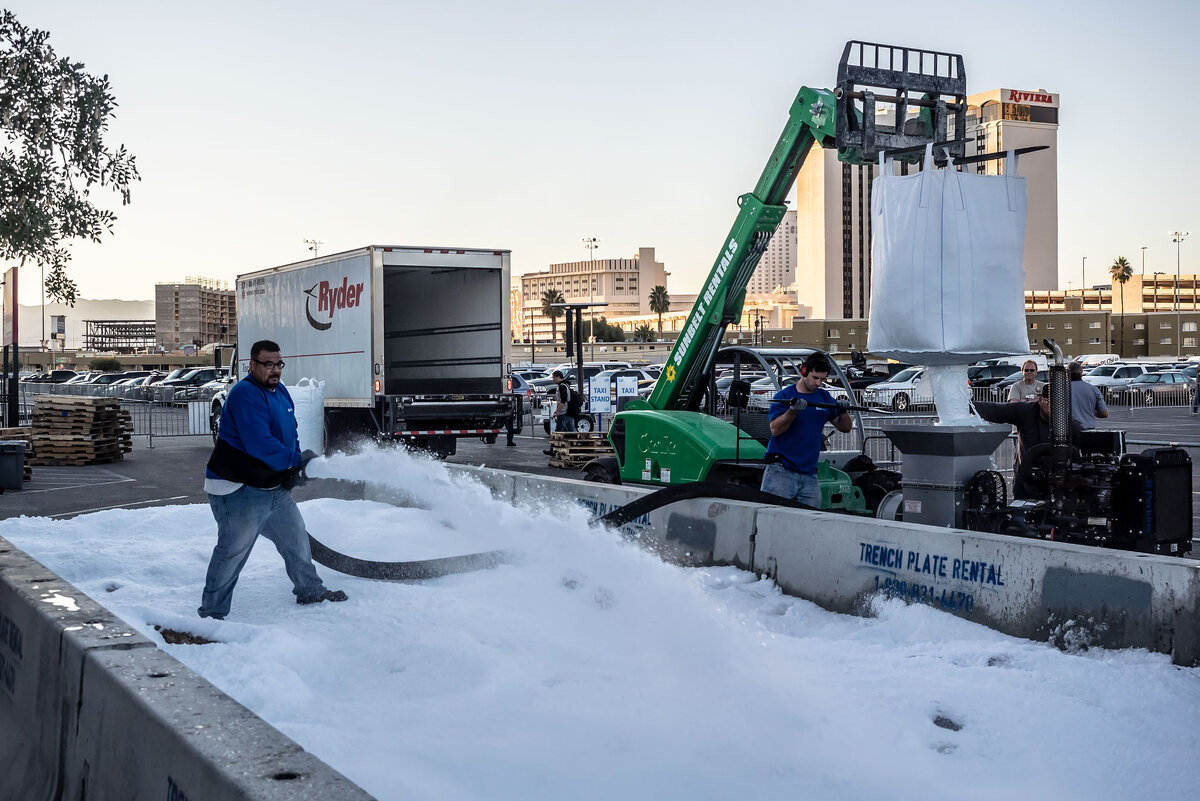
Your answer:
<point x="53" y="116"/>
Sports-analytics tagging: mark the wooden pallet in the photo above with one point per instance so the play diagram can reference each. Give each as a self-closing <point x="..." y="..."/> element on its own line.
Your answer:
<point x="79" y="431"/>
<point x="572" y="450"/>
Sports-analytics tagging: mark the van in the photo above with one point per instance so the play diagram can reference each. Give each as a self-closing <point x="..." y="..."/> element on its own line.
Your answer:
<point x="1096" y="359"/>
<point x="1018" y="361"/>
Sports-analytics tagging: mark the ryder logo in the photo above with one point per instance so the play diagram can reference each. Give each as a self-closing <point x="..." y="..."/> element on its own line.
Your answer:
<point x="329" y="299"/>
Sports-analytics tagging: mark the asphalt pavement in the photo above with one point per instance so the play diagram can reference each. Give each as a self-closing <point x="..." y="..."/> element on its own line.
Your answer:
<point x="172" y="472"/>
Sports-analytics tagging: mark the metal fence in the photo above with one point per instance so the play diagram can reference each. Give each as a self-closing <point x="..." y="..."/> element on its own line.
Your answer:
<point x="155" y="411"/>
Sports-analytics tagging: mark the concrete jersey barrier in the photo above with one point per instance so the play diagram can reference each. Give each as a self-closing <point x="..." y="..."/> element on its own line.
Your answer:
<point x="91" y="709"/>
<point x="1070" y="595"/>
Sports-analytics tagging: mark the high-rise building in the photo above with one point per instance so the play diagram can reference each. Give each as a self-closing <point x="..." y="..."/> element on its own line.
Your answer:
<point x="777" y="267"/>
<point x="194" y="313"/>
<point x="1009" y="119"/>
<point x="833" y="236"/>
<point x="833" y="203"/>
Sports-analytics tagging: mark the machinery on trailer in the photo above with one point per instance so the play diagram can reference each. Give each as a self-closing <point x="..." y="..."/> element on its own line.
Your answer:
<point x="888" y="99"/>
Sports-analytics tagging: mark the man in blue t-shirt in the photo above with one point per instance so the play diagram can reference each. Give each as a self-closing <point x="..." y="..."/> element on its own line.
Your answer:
<point x="796" y="427"/>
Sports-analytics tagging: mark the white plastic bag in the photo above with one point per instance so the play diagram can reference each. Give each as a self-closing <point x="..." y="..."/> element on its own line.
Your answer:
<point x="947" y="249"/>
<point x="308" y="397"/>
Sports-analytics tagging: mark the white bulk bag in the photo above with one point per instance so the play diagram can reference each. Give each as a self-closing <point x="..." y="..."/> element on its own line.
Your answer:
<point x="308" y="397"/>
<point x="947" y="284"/>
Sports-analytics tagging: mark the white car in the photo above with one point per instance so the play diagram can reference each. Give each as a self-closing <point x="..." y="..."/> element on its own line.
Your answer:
<point x="1111" y="377"/>
<point x="905" y="390"/>
<point x="764" y="389"/>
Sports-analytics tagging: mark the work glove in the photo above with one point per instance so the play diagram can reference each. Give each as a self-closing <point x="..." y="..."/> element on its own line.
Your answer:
<point x="302" y="474"/>
<point x="798" y="405"/>
<point x="298" y="476"/>
<point x="843" y="404"/>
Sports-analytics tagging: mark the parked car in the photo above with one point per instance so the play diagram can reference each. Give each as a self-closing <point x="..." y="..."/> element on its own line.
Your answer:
<point x="192" y="378"/>
<point x="872" y="373"/>
<point x="1109" y="377"/>
<point x="54" y="377"/>
<point x="906" y="390"/>
<point x="1166" y="387"/>
<point x="990" y="374"/>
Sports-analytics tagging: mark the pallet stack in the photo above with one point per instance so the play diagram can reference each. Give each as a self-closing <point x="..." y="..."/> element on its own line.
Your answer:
<point x="78" y="431"/>
<point x="24" y="434"/>
<point x="571" y="450"/>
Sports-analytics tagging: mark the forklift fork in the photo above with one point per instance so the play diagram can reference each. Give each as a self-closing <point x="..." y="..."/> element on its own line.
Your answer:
<point x="879" y="86"/>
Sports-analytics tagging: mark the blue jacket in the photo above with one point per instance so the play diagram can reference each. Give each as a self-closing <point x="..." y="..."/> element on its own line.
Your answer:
<point x="261" y="424"/>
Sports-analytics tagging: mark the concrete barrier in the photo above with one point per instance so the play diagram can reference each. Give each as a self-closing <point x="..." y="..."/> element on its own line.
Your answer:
<point x="1071" y="595"/>
<point x="91" y="709"/>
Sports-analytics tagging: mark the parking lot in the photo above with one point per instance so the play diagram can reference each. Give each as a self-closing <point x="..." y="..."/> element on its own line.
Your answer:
<point x="172" y="470"/>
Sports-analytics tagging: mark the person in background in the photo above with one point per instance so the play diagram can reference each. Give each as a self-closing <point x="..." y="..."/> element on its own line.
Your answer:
<point x="1087" y="401"/>
<point x="796" y="429"/>
<point x="1028" y="388"/>
<point x="253" y="467"/>
<point x="564" y="420"/>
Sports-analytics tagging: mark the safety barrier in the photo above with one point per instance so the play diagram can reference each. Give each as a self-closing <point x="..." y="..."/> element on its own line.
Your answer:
<point x="90" y="708"/>
<point x="1071" y="595"/>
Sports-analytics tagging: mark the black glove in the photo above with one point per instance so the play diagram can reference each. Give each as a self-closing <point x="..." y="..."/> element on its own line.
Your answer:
<point x="843" y="404"/>
<point x="298" y="476"/>
<point x="302" y="471"/>
<point x="798" y="405"/>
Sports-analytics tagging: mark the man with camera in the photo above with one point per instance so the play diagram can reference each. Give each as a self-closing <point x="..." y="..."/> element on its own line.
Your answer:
<point x="796" y="433"/>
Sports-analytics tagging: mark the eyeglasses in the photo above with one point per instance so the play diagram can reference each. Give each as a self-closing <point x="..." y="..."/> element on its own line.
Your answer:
<point x="1030" y="370"/>
<point x="270" y="365"/>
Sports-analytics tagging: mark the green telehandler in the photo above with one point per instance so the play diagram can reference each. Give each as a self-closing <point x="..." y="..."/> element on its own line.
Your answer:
<point x="889" y="99"/>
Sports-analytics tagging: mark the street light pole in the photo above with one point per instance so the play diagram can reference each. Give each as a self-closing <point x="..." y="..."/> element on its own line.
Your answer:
<point x="1143" y="261"/>
<point x="591" y="243"/>
<point x="1083" y="277"/>
<point x="1179" y="236"/>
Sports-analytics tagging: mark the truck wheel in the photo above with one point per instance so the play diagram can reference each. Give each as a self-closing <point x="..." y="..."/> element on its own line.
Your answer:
<point x="489" y="439"/>
<point x="214" y="421"/>
<point x="584" y="424"/>
<point x="900" y="402"/>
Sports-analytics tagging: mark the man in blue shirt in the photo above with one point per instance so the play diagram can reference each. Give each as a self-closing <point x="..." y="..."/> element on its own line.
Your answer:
<point x="255" y="463"/>
<point x="796" y="427"/>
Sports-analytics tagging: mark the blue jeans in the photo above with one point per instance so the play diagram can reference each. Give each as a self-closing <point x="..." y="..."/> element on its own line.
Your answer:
<point x="802" y="487"/>
<point x="564" y="422"/>
<point x="241" y="517"/>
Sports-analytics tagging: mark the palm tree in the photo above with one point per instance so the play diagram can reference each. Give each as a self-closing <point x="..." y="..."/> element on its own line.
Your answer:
<point x="643" y="333"/>
<point x="1121" y="272"/>
<point x="660" y="303"/>
<point x="550" y="297"/>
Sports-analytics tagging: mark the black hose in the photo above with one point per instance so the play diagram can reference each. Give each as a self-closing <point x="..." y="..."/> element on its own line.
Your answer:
<point x="405" y="571"/>
<point x="684" y="492"/>
<point x="398" y="571"/>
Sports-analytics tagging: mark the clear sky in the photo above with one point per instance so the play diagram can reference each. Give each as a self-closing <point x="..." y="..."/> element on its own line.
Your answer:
<point x="529" y="125"/>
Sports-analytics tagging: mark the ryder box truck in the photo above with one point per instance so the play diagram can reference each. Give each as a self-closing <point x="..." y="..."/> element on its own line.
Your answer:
<point x="413" y="343"/>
